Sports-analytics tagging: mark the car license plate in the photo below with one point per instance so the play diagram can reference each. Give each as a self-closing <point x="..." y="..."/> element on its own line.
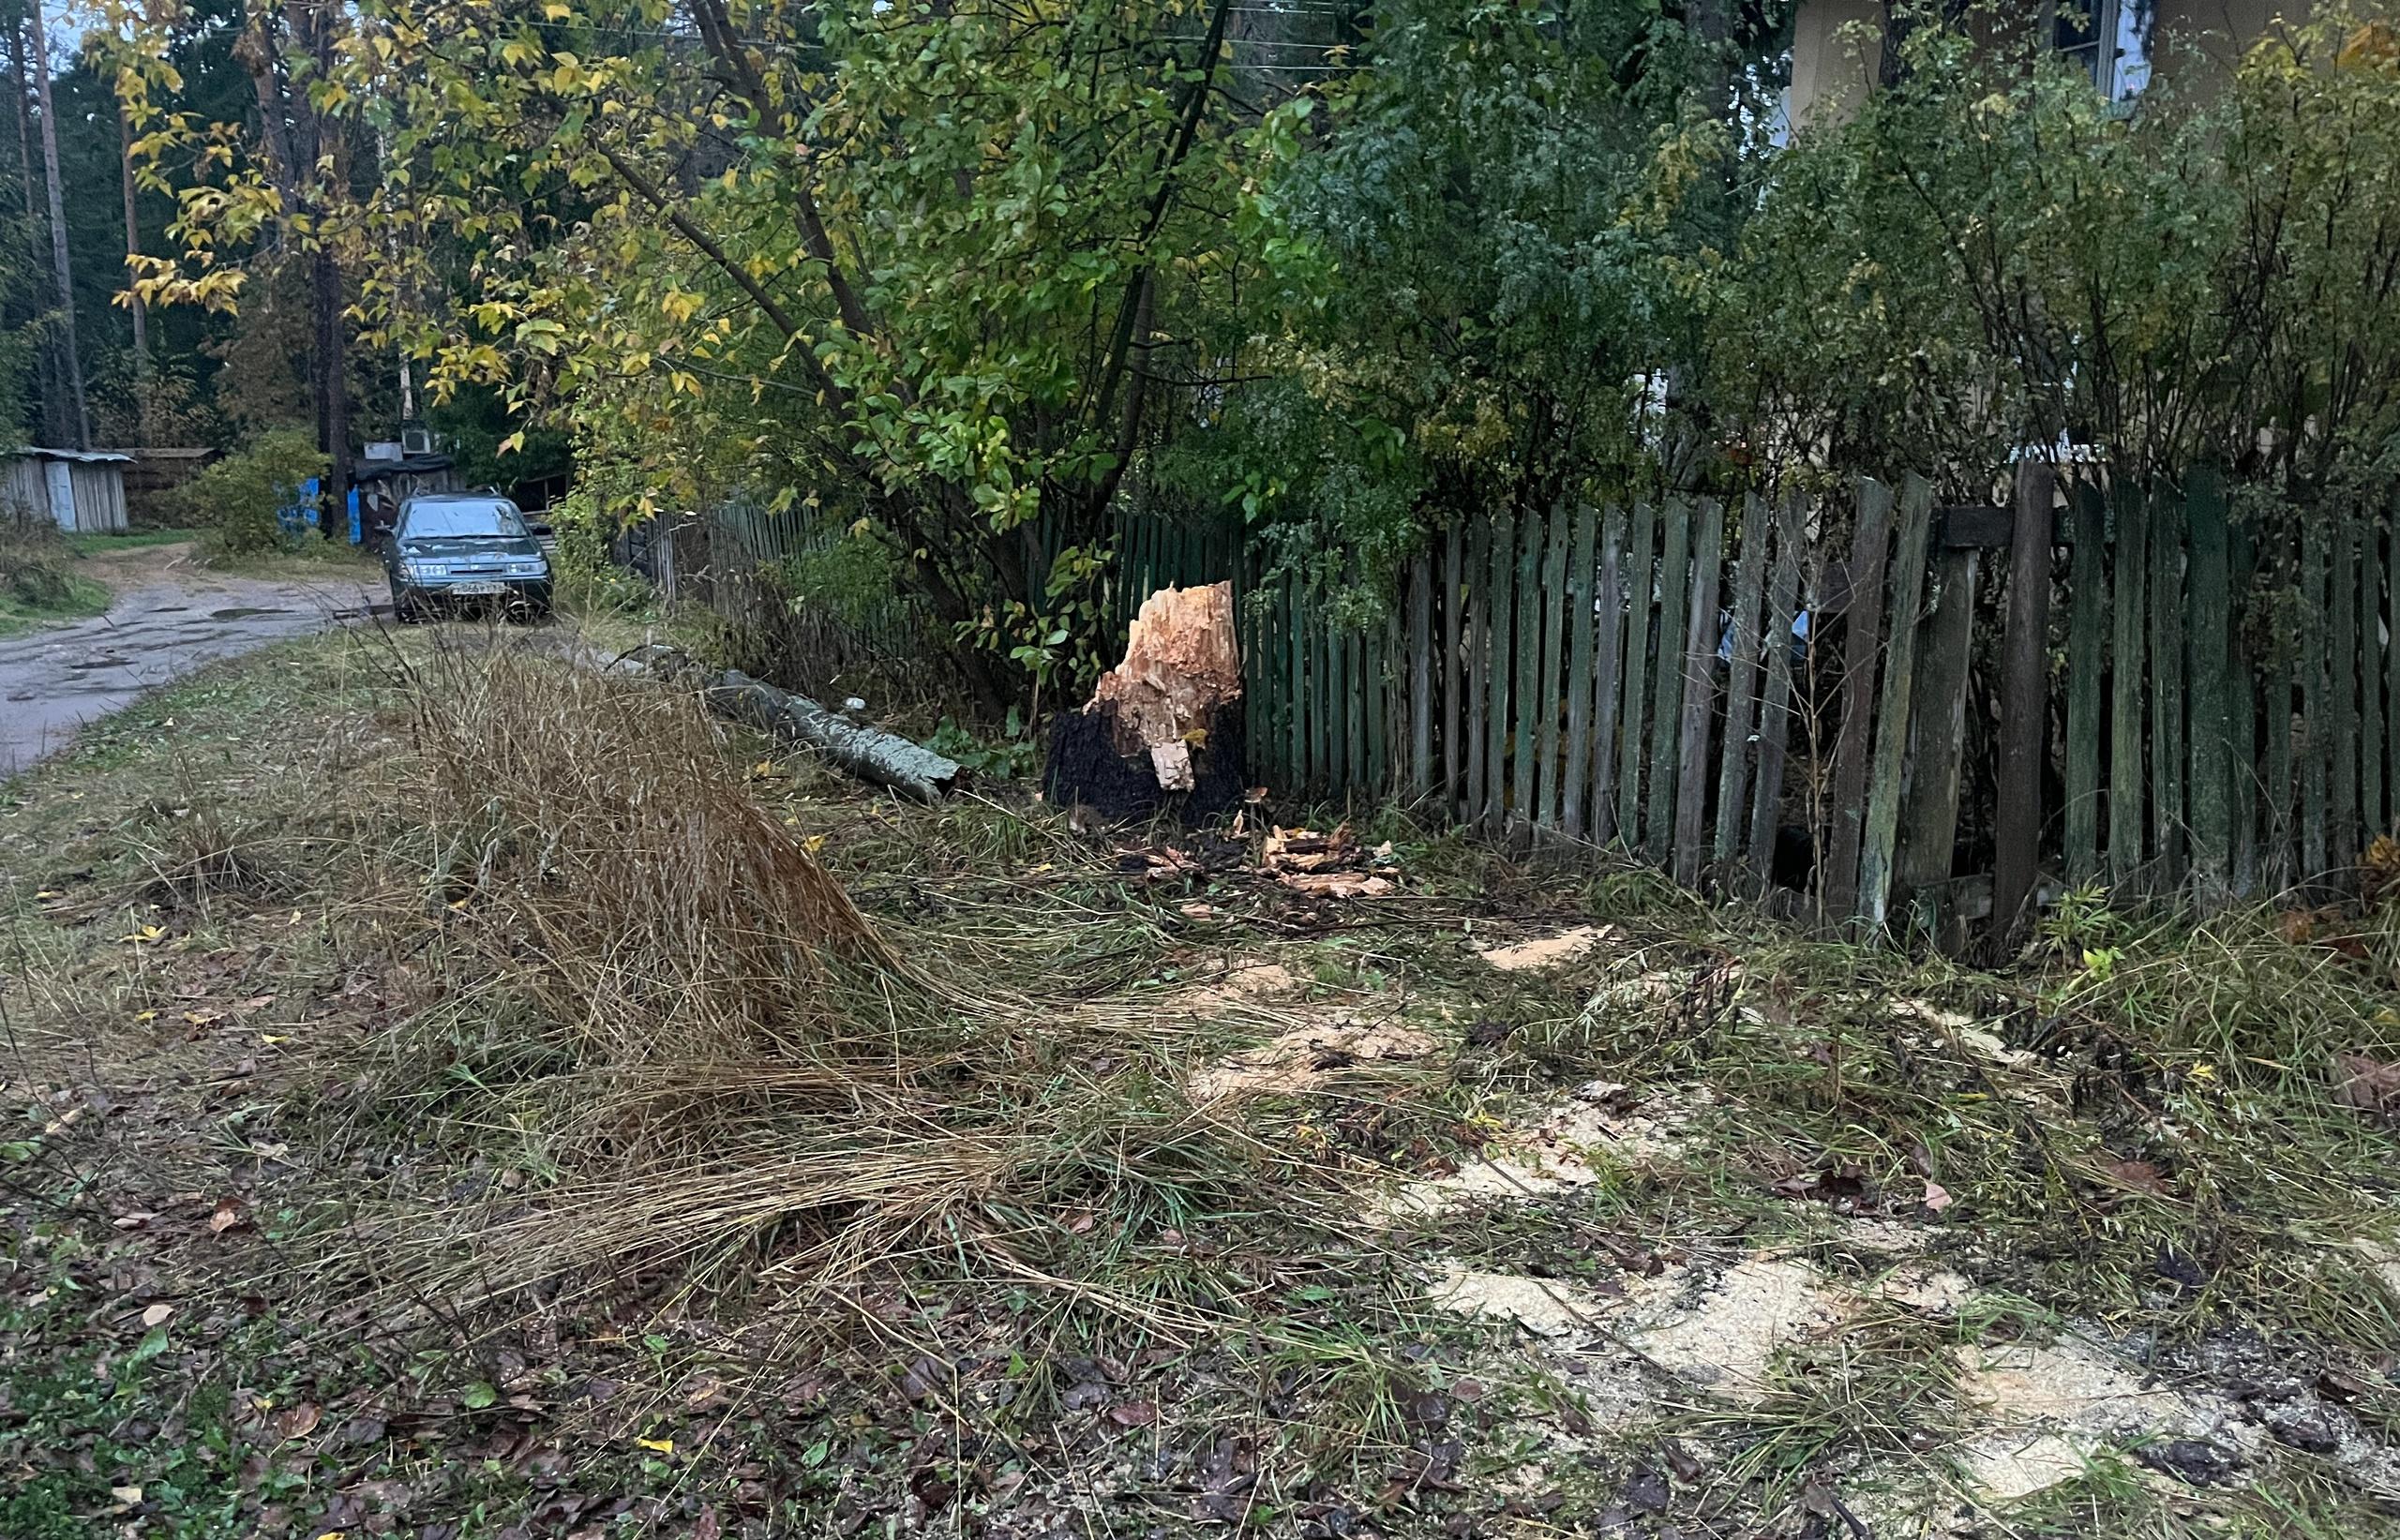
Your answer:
<point x="478" y="587"/>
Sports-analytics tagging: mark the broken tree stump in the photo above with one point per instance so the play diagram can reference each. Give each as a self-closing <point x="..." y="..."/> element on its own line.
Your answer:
<point x="1164" y="730"/>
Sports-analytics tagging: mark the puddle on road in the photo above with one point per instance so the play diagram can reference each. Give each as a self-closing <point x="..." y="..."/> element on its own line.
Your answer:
<point x="90" y="664"/>
<point x="243" y="612"/>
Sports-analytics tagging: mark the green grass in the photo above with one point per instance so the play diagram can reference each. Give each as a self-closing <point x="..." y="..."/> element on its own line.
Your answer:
<point x="311" y="550"/>
<point x="130" y="540"/>
<point x="84" y="598"/>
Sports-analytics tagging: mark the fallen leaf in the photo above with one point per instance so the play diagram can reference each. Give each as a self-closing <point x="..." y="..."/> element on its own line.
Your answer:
<point x="158" y="1315"/>
<point x="1133" y="1413"/>
<point x="1937" y="1197"/>
<point x="2139" y="1176"/>
<point x="662" y="1447"/>
<point x="227" y="1214"/>
<point x="298" y="1422"/>
<point x="127" y="1495"/>
<point x="2368" y="1085"/>
<point x="135" y="1220"/>
<point x="1197" y="911"/>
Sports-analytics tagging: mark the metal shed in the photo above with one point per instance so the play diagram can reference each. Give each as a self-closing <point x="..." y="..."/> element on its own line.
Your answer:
<point x="77" y="489"/>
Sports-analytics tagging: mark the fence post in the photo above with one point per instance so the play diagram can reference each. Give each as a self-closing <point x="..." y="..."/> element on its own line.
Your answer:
<point x="2024" y="706"/>
<point x="1774" y="714"/>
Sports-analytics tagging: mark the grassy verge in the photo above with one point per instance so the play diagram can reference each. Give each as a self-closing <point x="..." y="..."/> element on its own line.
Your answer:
<point x="449" y="1091"/>
<point x="130" y="540"/>
<point x="39" y="584"/>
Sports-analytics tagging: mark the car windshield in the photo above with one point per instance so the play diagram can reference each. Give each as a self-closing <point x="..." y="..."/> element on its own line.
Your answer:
<point x="491" y="516"/>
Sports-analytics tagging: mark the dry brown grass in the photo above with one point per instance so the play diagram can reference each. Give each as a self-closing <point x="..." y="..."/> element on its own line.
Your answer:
<point x="741" y="1077"/>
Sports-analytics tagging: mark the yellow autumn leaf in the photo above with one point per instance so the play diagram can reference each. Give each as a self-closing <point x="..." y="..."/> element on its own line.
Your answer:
<point x="145" y="1015"/>
<point x="664" y="1447"/>
<point x="813" y="843"/>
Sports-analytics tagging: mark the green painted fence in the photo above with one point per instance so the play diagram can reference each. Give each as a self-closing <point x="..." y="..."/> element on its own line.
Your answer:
<point x="1731" y="693"/>
<point x="1860" y="703"/>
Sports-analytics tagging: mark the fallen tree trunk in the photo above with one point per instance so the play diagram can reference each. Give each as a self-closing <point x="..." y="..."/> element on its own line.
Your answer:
<point x="872" y="754"/>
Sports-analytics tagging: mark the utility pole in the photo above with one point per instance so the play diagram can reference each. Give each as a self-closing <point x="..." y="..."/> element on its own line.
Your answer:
<point x="59" y="263"/>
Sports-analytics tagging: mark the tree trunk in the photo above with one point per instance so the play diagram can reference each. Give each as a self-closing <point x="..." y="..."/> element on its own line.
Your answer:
<point x="60" y="266"/>
<point x="333" y="383"/>
<point x="133" y="248"/>
<point x="54" y="424"/>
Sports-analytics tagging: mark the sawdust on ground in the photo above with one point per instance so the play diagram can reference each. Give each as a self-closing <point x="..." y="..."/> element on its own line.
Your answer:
<point x="1305" y="1056"/>
<point x="1546" y="951"/>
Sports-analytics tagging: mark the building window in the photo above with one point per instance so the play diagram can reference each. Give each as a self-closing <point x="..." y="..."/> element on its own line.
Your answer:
<point x="2111" y="40"/>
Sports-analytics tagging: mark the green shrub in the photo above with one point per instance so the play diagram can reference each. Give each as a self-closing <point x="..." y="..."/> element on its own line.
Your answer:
<point x="233" y="503"/>
<point x="33" y="560"/>
<point x="589" y="579"/>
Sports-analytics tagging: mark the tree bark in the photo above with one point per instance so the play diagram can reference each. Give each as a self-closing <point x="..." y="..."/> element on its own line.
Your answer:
<point x="53" y="415"/>
<point x="133" y="248"/>
<point x="60" y="266"/>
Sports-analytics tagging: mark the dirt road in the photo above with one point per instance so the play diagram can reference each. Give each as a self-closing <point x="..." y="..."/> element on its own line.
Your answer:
<point x="171" y="615"/>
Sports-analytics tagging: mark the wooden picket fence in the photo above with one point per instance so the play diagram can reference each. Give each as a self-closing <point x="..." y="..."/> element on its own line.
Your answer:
<point x="1858" y="703"/>
<point x="1758" y="709"/>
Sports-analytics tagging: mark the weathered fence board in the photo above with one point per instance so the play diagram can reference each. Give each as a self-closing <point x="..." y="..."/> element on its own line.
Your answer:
<point x="1608" y="656"/>
<point x="1558" y="605"/>
<point x="1453" y="604"/>
<point x="1699" y="664"/>
<point x="2129" y="596"/>
<point x="2167" y="764"/>
<point x="1582" y="635"/>
<point x="2342" y="685"/>
<point x="2024" y="706"/>
<point x="1929" y="827"/>
<point x="1641" y="585"/>
<point x="1880" y="845"/>
<point x="1741" y="681"/>
<point x="1862" y="649"/>
<point x="2087" y="664"/>
<point x="2208" y="631"/>
<point x="1667" y="699"/>
<point x="2316" y="708"/>
<point x="1775" y="699"/>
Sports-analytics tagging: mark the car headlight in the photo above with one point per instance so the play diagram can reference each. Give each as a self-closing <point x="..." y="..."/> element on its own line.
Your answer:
<point x="524" y="569"/>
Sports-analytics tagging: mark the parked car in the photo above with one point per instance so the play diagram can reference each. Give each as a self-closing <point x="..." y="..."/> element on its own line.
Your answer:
<point x="450" y="550"/>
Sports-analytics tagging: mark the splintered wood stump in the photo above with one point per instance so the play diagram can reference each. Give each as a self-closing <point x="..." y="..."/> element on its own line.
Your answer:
<point x="1164" y="730"/>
